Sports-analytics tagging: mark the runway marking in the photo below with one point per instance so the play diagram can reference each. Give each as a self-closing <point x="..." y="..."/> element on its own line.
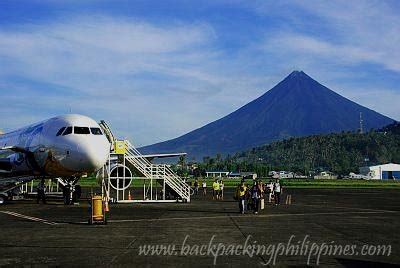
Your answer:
<point x="28" y="217"/>
<point x="247" y="216"/>
<point x="365" y="209"/>
<point x="371" y="209"/>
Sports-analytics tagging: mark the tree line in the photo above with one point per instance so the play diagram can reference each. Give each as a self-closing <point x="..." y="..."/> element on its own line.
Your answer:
<point x="340" y="153"/>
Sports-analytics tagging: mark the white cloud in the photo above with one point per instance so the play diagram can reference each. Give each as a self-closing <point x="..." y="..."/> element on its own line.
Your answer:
<point x="336" y="42"/>
<point x="316" y="49"/>
<point x="344" y="32"/>
<point x="375" y="98"/>
<point x="152" y="82"/>
<point x="99" y="46"/>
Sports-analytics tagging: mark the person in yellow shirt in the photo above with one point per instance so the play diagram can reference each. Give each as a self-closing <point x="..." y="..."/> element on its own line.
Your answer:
<point x="241" y="191"/>
<point x="216" y="188"/>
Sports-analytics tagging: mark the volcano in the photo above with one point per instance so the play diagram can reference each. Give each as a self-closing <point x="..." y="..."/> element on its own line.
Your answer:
<point x="297" y="106"/>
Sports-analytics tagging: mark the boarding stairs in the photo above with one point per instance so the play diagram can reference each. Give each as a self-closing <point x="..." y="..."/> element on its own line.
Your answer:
<point x="107" y="131"/>
<point x="158" y="172"/>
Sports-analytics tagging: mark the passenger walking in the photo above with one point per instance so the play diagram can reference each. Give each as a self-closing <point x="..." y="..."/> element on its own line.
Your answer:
<point x="255" y="193"/>
<point x="262" y="188"/>
<point x="41" y="189"/>
<point x="249" y="201"/>
<point x="196" y="187"/>
<point x="277" y="192"/>
<point x="216" y="189"/>
<point x="270" y="190"/>
<point x="221" y="190"/>
<point x="241" y="192"/>
<point x="204" y="186"/>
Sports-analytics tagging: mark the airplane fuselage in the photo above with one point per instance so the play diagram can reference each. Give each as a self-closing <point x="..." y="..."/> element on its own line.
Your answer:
<point x="63" y="146"/>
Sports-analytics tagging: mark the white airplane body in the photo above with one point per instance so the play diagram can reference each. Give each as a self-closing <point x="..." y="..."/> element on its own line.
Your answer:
<point x="67" y="146"/>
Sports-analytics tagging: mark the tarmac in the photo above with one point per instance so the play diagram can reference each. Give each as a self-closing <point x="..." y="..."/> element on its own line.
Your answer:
<point x="357" y="224"/>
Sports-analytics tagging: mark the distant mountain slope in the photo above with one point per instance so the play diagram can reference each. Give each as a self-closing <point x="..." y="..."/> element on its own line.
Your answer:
<point x="341" y="153"/>
<point x="297" y="106"/>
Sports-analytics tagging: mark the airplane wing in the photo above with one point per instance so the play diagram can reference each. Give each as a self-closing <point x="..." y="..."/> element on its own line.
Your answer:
<point x="152" y="156"/>
<point x="14" y="148"/>
<point x="163" y="155"/>
<point x="5" y="165"/>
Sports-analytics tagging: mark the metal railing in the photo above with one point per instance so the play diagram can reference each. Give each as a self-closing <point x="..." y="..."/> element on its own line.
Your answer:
<point x="157" y="171"/>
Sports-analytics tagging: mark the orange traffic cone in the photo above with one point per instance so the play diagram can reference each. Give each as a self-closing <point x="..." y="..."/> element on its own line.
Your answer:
<point x="129" y="195"/>
<point x="106" y="208"/>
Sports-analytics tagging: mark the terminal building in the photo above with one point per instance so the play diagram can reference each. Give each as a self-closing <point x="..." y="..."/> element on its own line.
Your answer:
<point x="217" y="174"/>
<point x="381" y="172"/>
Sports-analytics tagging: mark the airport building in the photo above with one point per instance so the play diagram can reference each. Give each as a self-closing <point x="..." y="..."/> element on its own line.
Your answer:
<point x="281" y="174"/>
<point x="217" y="174"/>
<point x="325" y="175"/>
<point x="389" y="171"/>
<point x="246" y="175"/>
<point x="214" y="174"/>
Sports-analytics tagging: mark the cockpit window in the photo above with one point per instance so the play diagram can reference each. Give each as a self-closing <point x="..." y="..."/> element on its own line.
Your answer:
<point x="67" y="131"/>
<point x="96" y="131"/>
<point x="81" y="130"/>
<point x="60" y="131"/>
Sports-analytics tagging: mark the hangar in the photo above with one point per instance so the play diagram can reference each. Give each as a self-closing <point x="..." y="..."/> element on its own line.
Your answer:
<point x="389" y="171"/>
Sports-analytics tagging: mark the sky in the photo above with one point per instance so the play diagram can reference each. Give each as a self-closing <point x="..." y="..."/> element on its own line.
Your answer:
<point x="155" y="70"/>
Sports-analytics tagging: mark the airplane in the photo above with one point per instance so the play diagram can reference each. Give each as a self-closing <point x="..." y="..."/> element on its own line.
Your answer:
<point x="65" y="147"/>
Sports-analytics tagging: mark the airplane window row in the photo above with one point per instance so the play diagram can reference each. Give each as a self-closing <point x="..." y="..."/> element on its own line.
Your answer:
<point x="79" y="130"/>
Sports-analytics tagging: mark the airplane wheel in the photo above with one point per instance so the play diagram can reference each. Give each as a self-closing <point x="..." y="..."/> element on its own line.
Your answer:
<point x="67" y="198"/>
<point x="74" y="198"/>
<point x="76" y="194"/>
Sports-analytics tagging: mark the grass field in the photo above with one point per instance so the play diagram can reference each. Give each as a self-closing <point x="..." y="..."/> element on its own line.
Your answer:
<point x="290" y="183"/>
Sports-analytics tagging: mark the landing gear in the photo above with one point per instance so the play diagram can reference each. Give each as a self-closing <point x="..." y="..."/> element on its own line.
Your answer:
<point x="2" y="199"/>
<point x="71" y="192"/>
<point x="76" y="194"/>
<point x="67" y="195"/>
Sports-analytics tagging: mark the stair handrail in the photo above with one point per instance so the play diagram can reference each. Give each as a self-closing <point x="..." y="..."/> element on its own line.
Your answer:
<point x="158" y="171"/>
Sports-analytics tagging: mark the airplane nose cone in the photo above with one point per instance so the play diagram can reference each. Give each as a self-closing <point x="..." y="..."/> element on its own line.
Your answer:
<point x="93" y="156"/>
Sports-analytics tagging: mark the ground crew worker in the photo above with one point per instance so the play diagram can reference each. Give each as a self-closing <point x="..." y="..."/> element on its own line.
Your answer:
<point x="270" y="190"/>
<point x="216" y="190"/>
<point x="221" y="190"/>
<point x="241" y="196"/>
<point x="196" y="187"/>
<point x="41" y="188"/>
<point x="277" y="192"/>
<point x="204" y="186"/>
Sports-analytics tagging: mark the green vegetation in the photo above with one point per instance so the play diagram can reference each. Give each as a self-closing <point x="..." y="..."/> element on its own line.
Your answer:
<point x="93" y="182"/>
<point x="289" y="183"/>
<point x="311" y="183"/>
<point x="341" y="184"/>
<point x="340" y="153"/>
